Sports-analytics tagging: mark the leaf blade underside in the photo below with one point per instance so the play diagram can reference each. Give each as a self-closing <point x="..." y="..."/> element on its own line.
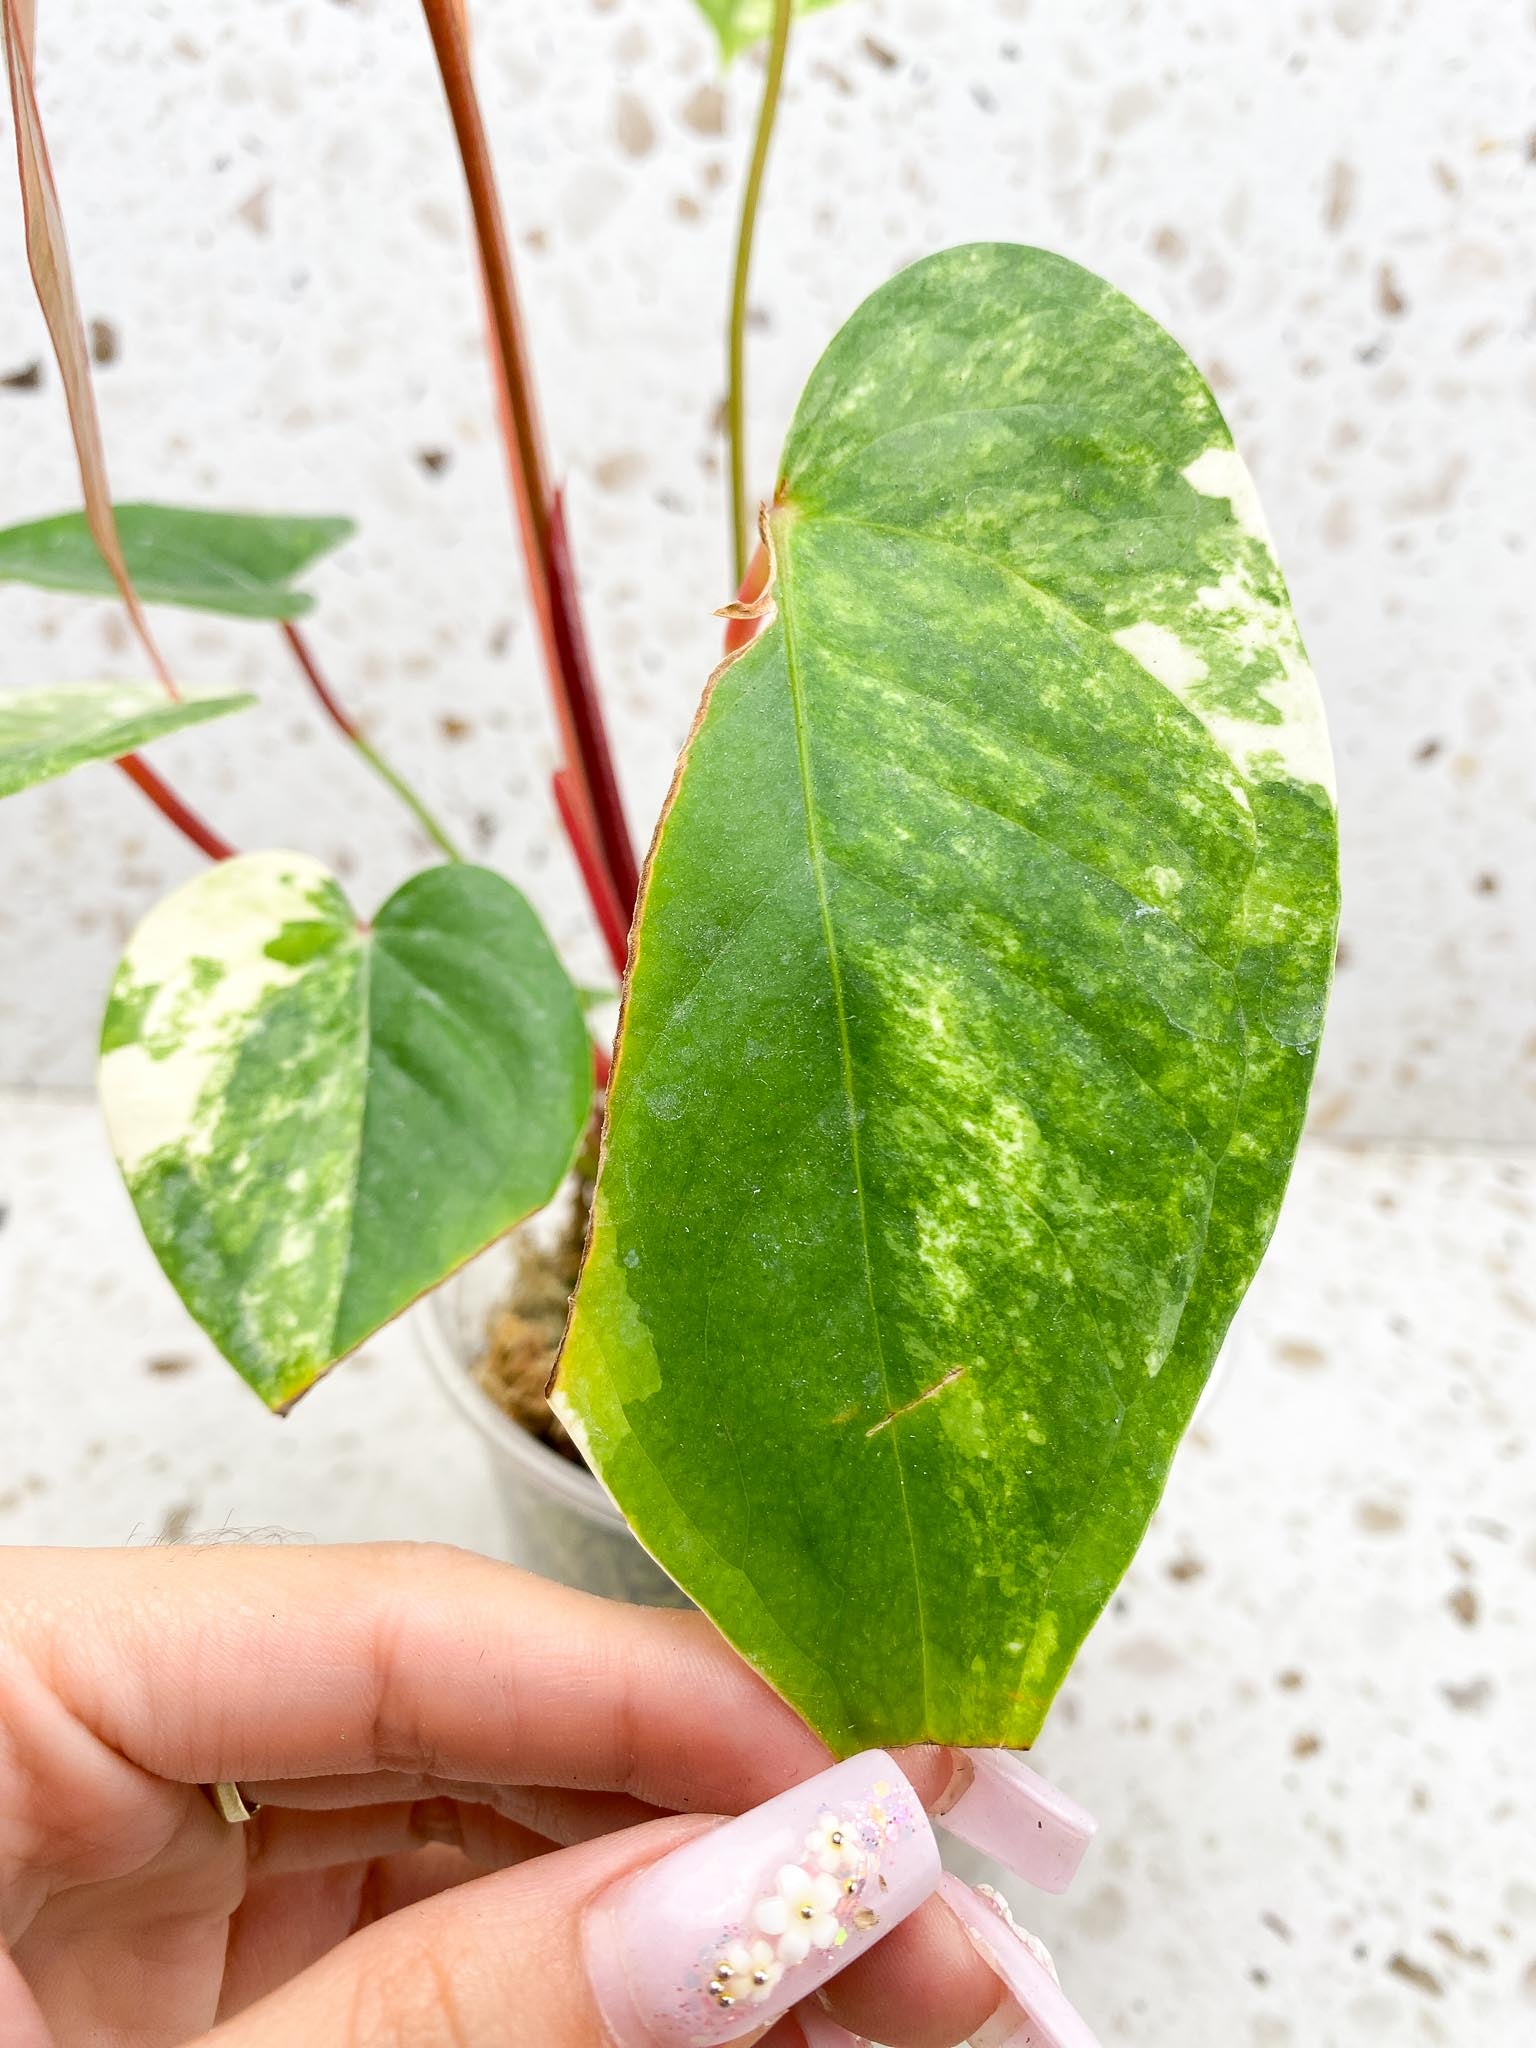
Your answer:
<point x="317" y="1122"/>
<point x="47" y="731"/>
<point x="239" y="564"/>
<point x="972" y="1011"/>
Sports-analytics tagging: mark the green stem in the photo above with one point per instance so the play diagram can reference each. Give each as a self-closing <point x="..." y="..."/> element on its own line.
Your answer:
<point x="408" y="797"/>
<point x="742" y="530"/>
<point x="345" y="725"/>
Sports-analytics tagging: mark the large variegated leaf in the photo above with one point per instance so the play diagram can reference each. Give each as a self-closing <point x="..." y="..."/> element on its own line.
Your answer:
<point x="741" y="23"/>
<point x="317" y="1120"/>
<point x="973" y="1007"/>
<point x="49" y="730"/>
<point x="240" y="563"/>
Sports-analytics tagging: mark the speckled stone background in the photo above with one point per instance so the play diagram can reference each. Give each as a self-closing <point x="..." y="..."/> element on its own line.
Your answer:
<point x="1329" y="201"/>
<point x="1306" y="1721"/>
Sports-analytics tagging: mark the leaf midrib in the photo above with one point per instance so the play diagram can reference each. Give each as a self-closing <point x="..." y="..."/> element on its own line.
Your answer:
<point x="845" y="1050"/>
<point x="370" y="947"/>
<point x="366" y="942"/>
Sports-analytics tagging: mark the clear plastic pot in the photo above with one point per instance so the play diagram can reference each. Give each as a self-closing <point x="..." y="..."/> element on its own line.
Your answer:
<point x="559" y="1521"/>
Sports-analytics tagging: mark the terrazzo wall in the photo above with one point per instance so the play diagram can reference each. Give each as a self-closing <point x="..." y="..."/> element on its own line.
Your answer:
<point x="1329" y="203"/>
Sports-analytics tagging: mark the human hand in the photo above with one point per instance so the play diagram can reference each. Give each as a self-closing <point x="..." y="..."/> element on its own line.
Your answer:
<point x="458" y="1768"/>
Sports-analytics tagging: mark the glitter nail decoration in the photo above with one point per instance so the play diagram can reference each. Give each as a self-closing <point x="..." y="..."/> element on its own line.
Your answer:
<point x="814" y="1903"/>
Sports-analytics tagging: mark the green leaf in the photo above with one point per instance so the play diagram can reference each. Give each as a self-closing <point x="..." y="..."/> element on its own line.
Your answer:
<point x="317" y="1121"/>
<point x="47" y="731"/>
<point x="741" y="23"/>
<point x="974" y="1002"/>
<point x="240" y="563"/>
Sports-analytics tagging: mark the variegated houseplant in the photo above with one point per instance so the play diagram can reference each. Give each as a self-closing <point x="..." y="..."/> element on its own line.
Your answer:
<point x="971" y="993"/>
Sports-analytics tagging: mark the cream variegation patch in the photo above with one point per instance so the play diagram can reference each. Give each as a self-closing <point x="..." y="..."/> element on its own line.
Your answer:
<point x="1222" y="473"/>
<point x="1296" y="743"/>
<point x="199" y="966"/>
<point x="1164" y="655"/>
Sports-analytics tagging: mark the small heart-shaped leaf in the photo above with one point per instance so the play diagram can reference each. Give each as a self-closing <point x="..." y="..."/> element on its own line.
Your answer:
<point x="47" y="731"/>
<point x="741" y="23"/>
<point x="240" y="563"/>
<point x="974" y="999"/>
<point x="318" y="1121"/>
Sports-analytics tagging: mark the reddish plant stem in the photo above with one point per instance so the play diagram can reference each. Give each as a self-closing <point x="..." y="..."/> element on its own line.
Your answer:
<point x="600" y="892"/>
<point x="586" y="715"/>
<point x="590" y="790"/>
<point x="446" y="28"/>
<point x="170" y="805"/>
<point x="334" y="710"/>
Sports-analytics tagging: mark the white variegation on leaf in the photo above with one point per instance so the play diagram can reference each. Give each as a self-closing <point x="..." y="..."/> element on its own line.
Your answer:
<point x="317" y="1120"/>
<point x="47" y="731"/>
<point x="1256" y="626"/>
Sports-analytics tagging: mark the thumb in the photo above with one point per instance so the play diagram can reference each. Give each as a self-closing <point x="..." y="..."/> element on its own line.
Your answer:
<point x="676" y="1932"/>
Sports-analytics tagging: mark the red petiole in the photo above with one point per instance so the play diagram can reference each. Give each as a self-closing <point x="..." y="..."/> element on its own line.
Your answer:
<point x="170" y="805"/>
<point x="606" y="908"/>
<point x="586" y="786"/>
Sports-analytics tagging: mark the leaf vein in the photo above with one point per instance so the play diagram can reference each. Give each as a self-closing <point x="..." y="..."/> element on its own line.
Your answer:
<point x="839" y="1005"/>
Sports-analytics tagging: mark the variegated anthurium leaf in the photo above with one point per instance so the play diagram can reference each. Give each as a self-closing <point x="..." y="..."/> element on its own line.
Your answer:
<point x="974" y="1001"/>
<point x="318" y="1121"/>
<point x="47" y="731"/>
<point x="741" y="23"/>
<point x="239" y="563"/>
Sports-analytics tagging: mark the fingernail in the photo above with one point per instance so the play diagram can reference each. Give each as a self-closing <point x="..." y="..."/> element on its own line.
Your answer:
<point x="731" y="1930"/>
<point x="1036" y="2012"/>
<point x="821" y="2032"/>
<point x="1011" y="1812"/>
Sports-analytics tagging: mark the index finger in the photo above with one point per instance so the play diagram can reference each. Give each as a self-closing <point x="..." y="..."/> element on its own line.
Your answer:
<point x="238" y="1662"/>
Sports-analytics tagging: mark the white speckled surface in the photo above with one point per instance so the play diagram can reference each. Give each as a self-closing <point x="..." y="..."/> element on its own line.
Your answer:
<point x="1328" y="200"/>
<point x="1305" y="1725"/>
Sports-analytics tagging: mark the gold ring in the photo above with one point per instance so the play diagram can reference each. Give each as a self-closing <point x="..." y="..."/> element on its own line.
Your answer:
<point x="232" y="1803"/>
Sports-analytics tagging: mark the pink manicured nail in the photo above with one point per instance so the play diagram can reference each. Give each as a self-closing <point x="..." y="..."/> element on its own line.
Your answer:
<point x="1036" y="2013"/>
<point x="734" y="1928"/>
<point x="820" y="2032"/>
<point x="1010" y="1812"/>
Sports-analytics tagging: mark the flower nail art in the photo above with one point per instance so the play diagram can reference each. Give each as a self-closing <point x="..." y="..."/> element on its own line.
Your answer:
<point x="720" y="1937"/>
<point x="746" y="1976"/>
<point x="835" y="1846"/>
<point x="802" y="1913"/>
<point x="817" y="1902"/>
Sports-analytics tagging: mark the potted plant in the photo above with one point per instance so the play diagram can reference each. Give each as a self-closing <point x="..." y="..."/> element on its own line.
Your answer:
<point x="971" y="993"/>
